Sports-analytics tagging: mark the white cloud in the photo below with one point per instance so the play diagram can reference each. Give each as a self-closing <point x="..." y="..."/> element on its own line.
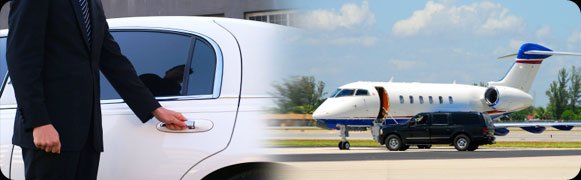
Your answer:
<point x="342" y="41"/>
<point x="349" y="16"/>
<point x="479" y="18"/>
<point x="543" y="32"/>
<point x="403" y="64"/>
<point x="574" y="40"/>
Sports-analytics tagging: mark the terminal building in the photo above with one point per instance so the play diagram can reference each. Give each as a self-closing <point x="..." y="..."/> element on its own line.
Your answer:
<point x="272" y="11"/>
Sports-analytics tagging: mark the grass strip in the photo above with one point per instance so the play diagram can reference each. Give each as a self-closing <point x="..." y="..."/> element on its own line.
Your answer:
<point x="371" y="143"/>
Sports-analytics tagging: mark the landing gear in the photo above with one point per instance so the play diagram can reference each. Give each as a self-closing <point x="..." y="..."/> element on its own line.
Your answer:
<point x="344" y="133"/>
<point x="344" y="145"/>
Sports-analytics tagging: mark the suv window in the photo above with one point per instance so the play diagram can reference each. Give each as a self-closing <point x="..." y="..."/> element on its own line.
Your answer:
<point x="3" y="67"/>
<point x="440" y="119"/>
<point x="159" y="59"/>
<point x="466" y="119"/>
<point x="421" y="119"/>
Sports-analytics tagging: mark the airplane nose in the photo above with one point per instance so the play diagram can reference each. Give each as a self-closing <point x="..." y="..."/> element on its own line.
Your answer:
<point x="322" y="111"/>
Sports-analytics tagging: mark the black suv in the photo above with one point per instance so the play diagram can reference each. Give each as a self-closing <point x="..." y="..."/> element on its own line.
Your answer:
<point x="463" y="130"/>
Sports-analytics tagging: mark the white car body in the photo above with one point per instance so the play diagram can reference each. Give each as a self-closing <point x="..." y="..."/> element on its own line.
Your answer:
<point x="234" y="110"/>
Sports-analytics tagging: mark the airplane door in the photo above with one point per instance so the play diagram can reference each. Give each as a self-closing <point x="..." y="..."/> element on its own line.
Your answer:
<point x="383" y="102"/>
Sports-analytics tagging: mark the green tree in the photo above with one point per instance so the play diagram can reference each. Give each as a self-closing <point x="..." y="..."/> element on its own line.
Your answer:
<point x="558" y="95"/>
<point x="540" y="113"/>
<point x="574" y="89"/>
<point x="568" y="115"/>
<point x="301" y="94"/>
<point x="522" y="114"/>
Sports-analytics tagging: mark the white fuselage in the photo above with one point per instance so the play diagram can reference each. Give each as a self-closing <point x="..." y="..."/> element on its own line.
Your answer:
<point x="409" y="99"/>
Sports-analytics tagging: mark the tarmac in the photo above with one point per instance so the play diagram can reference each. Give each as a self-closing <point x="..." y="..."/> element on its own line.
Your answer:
<point x="440" y="162"/>
<point x="436" y="163"/>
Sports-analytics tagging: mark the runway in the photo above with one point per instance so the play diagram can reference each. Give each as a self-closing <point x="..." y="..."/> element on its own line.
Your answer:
<point x="516" y="134"/>
<point x="435" y="163"/>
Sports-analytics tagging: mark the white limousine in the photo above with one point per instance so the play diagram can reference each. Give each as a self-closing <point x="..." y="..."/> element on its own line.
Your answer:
<point x="224" y="94"/>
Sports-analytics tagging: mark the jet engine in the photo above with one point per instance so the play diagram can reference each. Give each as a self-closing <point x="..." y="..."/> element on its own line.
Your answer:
<point x="506" y="98"/>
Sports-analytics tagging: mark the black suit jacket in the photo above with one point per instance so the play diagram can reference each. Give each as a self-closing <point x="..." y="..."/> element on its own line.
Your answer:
<point x="55" y="72"/>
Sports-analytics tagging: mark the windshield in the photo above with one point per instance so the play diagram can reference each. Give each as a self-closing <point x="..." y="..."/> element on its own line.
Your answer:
<point x="345" y="92"/>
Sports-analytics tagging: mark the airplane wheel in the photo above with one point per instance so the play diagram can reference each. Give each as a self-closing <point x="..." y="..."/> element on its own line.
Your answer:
<point x="344" y="145"/>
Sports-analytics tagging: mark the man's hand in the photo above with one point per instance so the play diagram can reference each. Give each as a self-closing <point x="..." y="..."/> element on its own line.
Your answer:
<point x="173" y="120"/>
<point x="47" y="139"/>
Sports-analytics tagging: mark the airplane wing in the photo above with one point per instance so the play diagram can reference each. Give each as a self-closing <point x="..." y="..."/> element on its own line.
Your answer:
<point x="501" y="129"/>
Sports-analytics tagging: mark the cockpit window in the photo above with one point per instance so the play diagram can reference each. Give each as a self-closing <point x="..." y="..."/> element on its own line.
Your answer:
<point x="362" y="92"/>
<point x="335" y="92"/>
<point x="345" y="92"/>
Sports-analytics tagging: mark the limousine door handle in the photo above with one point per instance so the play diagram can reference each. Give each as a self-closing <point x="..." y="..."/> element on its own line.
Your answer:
<point x="193" y="126"/>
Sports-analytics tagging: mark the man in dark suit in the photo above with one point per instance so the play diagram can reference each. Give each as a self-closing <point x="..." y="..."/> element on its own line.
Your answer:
<point x="55" y="50"/>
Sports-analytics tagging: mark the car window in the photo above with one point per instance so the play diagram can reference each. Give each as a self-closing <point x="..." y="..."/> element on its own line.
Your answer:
<point x="3" y="67"/>
<point x="159" y="59"/>
<point x="440" y="119"/>
<point x="202" y="69"/>
<point x="466" y="119"/>
<point x="420" y="119"/>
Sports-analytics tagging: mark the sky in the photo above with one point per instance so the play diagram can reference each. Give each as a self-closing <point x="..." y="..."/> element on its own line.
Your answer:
<point x="446" y="41"/>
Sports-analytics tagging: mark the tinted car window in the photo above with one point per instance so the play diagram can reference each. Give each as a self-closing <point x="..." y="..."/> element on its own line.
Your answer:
<point x="466" y="119"/>
<point x="158" y="58"/>
<point x="202" y="69"/>
<point x="3" y="67"/>
<point x="440" y="119"/>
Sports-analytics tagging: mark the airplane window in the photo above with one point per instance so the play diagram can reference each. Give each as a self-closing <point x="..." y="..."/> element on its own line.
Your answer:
<point x="362" y="92"/>
<point x="3" y="67"/>
<point x="401" y="101"/>
<point x="411" y="99"/>
<point x="421" y="100"/>
<point x="159" y="59"/>
<point x="450" y="100"/>
<point x="431" y="99"/>
<point x="335" y="93"/>
<point x="441" y="99"/>
<point x="202" y="70"/>
<point x="346" y="92"/>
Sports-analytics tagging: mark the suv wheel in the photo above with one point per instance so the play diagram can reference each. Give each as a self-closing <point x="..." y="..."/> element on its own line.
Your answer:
<point x="393" y="143"/>
<point x="462" y="142"/>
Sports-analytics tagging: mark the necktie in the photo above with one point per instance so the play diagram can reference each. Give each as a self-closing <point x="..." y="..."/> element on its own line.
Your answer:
<point x="86" y="18"/>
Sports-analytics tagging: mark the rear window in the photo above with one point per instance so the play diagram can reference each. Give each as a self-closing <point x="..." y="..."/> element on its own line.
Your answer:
<point x="466" y="119"/>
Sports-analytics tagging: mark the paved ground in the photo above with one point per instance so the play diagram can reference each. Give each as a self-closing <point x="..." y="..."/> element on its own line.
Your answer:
<point x="514" y="135"/>
<point x="437" y="163"/>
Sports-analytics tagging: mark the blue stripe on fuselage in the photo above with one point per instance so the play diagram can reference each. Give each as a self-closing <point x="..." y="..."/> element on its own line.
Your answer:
<point x="332" y="123"/>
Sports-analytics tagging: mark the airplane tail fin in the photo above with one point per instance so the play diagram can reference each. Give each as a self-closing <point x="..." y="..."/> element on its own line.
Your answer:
<point x="528" y="60"/>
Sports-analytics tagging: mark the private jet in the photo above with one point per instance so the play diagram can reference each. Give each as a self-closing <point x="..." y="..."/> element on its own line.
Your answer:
<point x="363" y="105"/>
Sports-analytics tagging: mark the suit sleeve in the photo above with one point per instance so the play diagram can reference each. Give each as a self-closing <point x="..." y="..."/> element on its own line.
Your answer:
<point x="25" y="59"/>
<point x="121" y="74"/>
